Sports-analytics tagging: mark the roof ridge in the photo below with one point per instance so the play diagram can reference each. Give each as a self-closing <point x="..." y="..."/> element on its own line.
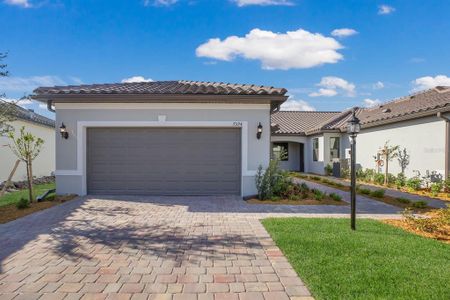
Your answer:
<point x="403" y="98"/>
<point x="310" y="111"/>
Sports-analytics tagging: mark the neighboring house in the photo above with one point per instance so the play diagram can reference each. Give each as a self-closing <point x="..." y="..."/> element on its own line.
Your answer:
<point x="162" y="138"/>
<point x="419" y="123"/>
<point x="40" y="126"/>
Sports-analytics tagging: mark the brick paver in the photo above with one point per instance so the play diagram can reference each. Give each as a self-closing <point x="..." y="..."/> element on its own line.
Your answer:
<point x="150" y="248"/>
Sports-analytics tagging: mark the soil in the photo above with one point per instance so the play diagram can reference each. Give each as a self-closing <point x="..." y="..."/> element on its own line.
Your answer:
<point x="11" y="212"/>
<point x="296" y="202"/>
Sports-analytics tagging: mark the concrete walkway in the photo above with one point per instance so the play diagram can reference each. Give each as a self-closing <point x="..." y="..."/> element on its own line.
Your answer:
<point x="153" y="248"/>
<point x="433" y="202"/>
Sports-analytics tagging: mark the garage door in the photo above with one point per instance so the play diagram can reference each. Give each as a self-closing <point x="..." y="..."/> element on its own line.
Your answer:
<point x="164" y="161"/>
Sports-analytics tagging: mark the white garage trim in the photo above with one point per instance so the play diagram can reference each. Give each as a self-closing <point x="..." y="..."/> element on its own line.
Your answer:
<point x="81" y="142"/>
<point x="195" y="106"/>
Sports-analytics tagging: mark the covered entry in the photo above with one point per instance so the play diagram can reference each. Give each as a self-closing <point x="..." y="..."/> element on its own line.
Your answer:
<point x="163" y="161"/>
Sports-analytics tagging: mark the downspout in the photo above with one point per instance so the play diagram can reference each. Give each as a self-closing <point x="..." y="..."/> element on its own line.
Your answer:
<point x="447" y="143"/>
<point x="49" y="106"/>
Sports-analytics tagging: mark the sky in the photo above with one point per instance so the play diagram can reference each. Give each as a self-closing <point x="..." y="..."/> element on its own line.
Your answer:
<point x="330" y="55"/>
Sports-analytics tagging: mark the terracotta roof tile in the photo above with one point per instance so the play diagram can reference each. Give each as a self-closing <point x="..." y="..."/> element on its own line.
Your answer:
<point x="299" y="122"/>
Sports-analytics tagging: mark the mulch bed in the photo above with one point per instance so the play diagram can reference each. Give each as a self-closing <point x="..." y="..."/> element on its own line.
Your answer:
<point x="296" y="202"/>
<point x="9" y="213"/>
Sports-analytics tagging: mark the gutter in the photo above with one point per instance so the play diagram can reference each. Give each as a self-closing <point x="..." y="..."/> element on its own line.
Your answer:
<point x="447" y="143"/>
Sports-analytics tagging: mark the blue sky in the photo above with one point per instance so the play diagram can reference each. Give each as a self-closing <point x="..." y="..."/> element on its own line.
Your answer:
<point x="330" y="55"/>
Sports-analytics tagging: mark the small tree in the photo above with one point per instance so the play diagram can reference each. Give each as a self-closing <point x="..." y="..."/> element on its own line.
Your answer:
<point x="388" y="153"/>
<point x="26" y="147"/>
<point x="403" y="159"/>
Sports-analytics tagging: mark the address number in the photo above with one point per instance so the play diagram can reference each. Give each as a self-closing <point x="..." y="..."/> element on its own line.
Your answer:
<point x="237" y="124"/>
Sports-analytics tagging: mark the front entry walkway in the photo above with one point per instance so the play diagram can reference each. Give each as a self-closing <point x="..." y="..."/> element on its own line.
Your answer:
<point x="150" y="248"/>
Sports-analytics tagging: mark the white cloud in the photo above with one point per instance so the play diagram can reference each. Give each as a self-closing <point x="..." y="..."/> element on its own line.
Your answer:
<point x="385" y="9"/>
<point x="378" y="85"/>
<point x="343" y="32"/>
<point x="298" y="49"/>
<point x="262" y="2"/>
<point x="417" y="60"/>
<point x="159" y="2"/>
<point x="429" y="82"/>
<point x="28" y="84"/>
<point x="136" y="79"/>
<point x="371" y="102"/>
<point x="331" y="86"/>
<point x="21" y="102"/>
<point x="296" y="105"/>
<point x="21" y="3"/>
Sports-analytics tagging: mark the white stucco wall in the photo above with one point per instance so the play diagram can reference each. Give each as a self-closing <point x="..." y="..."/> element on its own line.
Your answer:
<point x="70" y="159"/>
<point x="43" y="165"/>
<point x="293" y="163"/>
<point x="423" y="138"/>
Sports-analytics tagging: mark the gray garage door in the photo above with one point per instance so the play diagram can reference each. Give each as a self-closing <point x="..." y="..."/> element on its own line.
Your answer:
<point x="164" y="161"/>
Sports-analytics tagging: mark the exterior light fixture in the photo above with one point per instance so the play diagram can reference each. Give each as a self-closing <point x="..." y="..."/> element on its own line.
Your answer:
<point x="353" y="128"/>
<point x="63" y="131"/>
<point x="259" y="131"/>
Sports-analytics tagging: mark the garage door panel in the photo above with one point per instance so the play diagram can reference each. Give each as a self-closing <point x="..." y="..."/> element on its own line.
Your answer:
<point x="164" y="161"/>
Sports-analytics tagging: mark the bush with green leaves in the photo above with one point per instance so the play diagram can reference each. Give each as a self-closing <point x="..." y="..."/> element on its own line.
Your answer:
<point x="328" y="170"/>
<point x="436" y="188"/>
<point x="315" y="178"/>
<point x="335" y="197"/>
<point x="378" y="179"/>
<point x="318" y="194"/>
<point x="377" y="193"/>
<point x="414" y="183"/>
<point x="23" y="203"/>
<point x="400" y="181"/>
<point x="271" y="182"/>
<point x="447" y="185"/>
<point x="420" y="204"/>
<point x="364" y="191"/>
<point x="403" y="200"/>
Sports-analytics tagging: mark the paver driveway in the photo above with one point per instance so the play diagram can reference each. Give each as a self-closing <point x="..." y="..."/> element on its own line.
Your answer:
<point x="155" y="248"/>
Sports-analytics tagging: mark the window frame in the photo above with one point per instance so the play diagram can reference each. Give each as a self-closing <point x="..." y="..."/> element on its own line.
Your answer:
<point x="338" y="148"/>
<point x="315" y="149"/>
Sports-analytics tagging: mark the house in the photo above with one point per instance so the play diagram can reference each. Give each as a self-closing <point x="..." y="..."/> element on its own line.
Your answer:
<point x="418" y="123"/>
<point x="161" y="138"/>
<point x="38" y="125"/>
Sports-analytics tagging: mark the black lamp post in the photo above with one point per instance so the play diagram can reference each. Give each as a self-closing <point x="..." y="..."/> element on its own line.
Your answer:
<point x="353" y="128"/>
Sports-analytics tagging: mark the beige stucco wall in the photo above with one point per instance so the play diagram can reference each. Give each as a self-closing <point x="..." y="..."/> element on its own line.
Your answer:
<point x="43" y="165"/>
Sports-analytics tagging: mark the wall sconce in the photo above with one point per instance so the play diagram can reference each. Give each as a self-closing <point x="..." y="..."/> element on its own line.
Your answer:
<point x="259" y="131"/>
<point x="63" y="131"/>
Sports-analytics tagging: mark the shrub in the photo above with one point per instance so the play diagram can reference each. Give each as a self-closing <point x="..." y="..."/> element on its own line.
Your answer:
<point x="272" y="182"/>
<point x="436" y="188"/>
<point x="447" y="185"/>
<point x="364" y="191"/>
<point x="318" y="194"/>
<point x="377" y="193"/>
<point x="335" y="197"/>
<point x="403" y="200"/>
<point x="23" y="203"/>
<point x="369" y="175"/>
<point x="391" y="178"/>
<point x="400" y="181"/>
<point x="414" y="183"/>
<point x="304" y="187"/>
<point x="379" y="179"/>
<point x="420" y="204"/>
<point x="315" y="178"/>
<point x="328" y="169"/>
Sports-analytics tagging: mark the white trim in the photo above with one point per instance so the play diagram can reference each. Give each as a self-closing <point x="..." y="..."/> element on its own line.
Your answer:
<point x="81" y="142"/>
<point x="160" y="106"/>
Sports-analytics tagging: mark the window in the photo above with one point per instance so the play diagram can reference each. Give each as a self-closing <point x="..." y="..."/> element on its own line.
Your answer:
<point x="280" y="151"/>
<point x="315" y="149"/>
<point x="334" y="147"/>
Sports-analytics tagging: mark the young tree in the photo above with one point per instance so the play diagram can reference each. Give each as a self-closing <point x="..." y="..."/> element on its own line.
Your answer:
<point x="26" y="147"/>
<point x="403" y="159"/>
<point x="388" y="153"/>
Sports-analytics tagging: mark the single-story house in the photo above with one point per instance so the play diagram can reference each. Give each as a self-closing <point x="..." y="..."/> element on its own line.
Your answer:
<point x="161" y="138"/>
<point x="38" y="125"/>
<point x="418" y="123"/>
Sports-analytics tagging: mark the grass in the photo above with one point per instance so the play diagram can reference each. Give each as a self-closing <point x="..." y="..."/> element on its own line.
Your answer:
<point x="377" y="261"/>
<point x="14" y="197"/>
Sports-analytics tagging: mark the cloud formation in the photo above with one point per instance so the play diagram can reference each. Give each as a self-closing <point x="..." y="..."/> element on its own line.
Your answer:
<point x="385" y="9"/>
<point x="21" y="3"/>
<point x="28" y="84"/>
<point x="378" y="85"/>
<point x="298" y="49"/>
<point x="371" y="102"/>
<point x="159" y="2"/>
<point x="296" y="105"/>
<point x="263" y="2"/>
<point x="136" y="79"/>
<point x="343" y="32"/>
<point x="332" y="86"/>
<point x="428" y="82"/>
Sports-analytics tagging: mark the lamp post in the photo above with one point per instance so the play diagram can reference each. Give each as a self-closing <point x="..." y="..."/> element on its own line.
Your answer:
<point x="353" y="128"/>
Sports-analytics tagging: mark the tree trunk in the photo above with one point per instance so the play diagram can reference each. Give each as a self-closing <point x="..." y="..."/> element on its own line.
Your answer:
<point x="30" y="182"/>
<point x="386" y="170"/>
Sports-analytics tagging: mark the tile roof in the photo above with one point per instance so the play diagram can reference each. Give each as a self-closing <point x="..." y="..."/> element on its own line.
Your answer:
<point x="21" y="113"/>
<point x="299" y="122"/>
<point x="410" y="107"/>
<point x="164" y="87"/>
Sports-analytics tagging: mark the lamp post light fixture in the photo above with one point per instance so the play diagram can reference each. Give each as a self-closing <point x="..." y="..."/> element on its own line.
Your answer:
<point x="259" y="131"/>
<point x="353" y="128"/>
<point x="63" y="131"/>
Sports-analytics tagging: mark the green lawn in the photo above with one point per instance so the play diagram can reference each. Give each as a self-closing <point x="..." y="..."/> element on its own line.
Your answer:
<point x="14" y="197"/>
<point x="378" y="261"/>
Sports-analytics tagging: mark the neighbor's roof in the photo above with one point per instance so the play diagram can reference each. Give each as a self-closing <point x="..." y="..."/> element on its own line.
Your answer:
<point x="21" y="113"/>
<point x="179" y="87"/>
<point x="299" y="122"/>
<point x="415" y="106"/>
